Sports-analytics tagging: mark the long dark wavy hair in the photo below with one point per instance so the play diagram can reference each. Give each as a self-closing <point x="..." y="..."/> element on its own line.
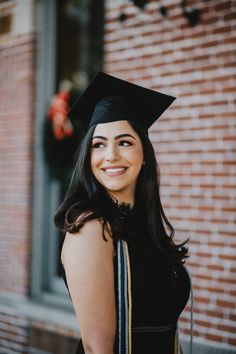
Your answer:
<point x="87" y="199"/>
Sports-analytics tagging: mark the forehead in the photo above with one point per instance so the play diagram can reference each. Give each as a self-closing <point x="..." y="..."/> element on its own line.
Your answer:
<point x="114" y="128"/>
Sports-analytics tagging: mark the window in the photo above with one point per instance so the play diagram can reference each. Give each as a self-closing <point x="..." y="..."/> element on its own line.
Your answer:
<point x="71" y="49"/>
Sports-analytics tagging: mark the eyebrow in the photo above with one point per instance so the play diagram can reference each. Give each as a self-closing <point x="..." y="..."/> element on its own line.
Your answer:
<point x="116" y="137"/>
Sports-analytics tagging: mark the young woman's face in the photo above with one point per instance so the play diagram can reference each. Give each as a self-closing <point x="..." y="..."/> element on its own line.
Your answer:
<point x="116" y="158"/>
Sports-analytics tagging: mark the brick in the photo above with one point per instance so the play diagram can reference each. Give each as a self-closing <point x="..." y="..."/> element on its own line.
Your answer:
<point x="230" y="40"/>
<point x="228" y="329"/>
<point x="209" y="44"/>
<point x="232" y="317"/>
<point x="232" y="341"/>
<point x="209" y="20"/>
<point x="225" y="304"/>
<point x="227" y="257"/>
<point x="225" y="5"/>
<point x="230" y="16"/>
<point x="201" y="300"/>
<point x="223" y="29"/>
<point x="214" y="314"/>
<point x="213" y="337"/>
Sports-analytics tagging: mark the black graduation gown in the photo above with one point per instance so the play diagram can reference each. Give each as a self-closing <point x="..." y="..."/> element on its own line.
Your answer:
<point x="160" y="291"/>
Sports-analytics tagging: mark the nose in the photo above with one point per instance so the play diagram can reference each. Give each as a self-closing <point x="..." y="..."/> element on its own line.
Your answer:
<point x="111" y="153"/>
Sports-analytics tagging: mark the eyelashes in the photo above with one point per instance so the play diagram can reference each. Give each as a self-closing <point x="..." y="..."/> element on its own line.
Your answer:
<point x="123" y="143"/>
<point x="96" y="145"/>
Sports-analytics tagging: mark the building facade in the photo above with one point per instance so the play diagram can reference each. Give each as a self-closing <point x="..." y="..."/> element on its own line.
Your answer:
<point x="185" y="50"/>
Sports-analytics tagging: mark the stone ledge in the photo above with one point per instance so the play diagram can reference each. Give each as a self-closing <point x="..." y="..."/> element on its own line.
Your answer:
<point x="206" y="347"/>
<point x="40" y="315"/>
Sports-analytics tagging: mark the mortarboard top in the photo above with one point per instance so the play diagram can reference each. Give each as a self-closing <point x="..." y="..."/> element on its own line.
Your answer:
<point x="109" y="99"/>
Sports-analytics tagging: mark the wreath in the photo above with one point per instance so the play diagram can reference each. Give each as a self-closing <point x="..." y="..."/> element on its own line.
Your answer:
<point x="62" y="134"/>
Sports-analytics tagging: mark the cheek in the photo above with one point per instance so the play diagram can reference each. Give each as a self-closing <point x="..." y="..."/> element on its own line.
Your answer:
<point x="137" y="156"/>
<point x="95" y="159"/>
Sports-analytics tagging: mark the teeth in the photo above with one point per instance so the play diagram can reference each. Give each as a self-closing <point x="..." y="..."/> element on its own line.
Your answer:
<point x="113" y="170"/>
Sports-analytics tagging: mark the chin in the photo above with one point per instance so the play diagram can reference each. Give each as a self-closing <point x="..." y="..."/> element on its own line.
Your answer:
<point x="113" y="188"/>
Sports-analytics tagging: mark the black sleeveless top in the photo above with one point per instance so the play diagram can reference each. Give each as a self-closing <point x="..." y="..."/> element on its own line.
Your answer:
<point x="160" y="289"/>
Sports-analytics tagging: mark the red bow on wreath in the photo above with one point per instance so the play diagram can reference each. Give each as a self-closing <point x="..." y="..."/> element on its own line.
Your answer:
<point x="61" y="125"/>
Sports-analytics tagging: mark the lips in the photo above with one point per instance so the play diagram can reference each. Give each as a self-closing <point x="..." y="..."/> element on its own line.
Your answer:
<point x="114" y="171"/>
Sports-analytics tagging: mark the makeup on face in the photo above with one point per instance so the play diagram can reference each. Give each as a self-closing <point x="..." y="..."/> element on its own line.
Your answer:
<point x="116" y="158"/>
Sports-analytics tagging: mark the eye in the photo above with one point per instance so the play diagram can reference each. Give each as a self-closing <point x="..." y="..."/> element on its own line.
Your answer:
<point x="125" y="143"/>
<point x="97" y="145"/>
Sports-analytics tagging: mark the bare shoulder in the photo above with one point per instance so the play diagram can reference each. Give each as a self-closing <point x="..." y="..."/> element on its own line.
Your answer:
<point x="89" y="268"/>
<point x="88" y="241"/>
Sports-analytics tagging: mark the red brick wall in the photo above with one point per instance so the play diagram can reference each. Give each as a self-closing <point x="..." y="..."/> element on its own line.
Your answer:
<point x="16" y="136"/>
<point x="14" y="332"/>
<point x="194" y="140"/>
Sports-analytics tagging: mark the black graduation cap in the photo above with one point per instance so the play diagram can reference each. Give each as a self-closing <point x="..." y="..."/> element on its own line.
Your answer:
<point x="109" y="99"/>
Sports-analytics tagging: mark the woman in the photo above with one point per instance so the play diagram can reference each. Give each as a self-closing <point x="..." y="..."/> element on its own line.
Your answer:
<point x="124" y="272"/>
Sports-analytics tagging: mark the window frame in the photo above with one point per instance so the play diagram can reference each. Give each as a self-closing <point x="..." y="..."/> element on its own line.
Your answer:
<point x="46" y="286"/>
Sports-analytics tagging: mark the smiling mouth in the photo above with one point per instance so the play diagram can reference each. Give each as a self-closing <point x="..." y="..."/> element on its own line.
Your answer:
<point x="115" y="171"/>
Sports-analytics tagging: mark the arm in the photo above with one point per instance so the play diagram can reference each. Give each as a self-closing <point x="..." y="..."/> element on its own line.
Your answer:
<point x="88" y="263"/>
